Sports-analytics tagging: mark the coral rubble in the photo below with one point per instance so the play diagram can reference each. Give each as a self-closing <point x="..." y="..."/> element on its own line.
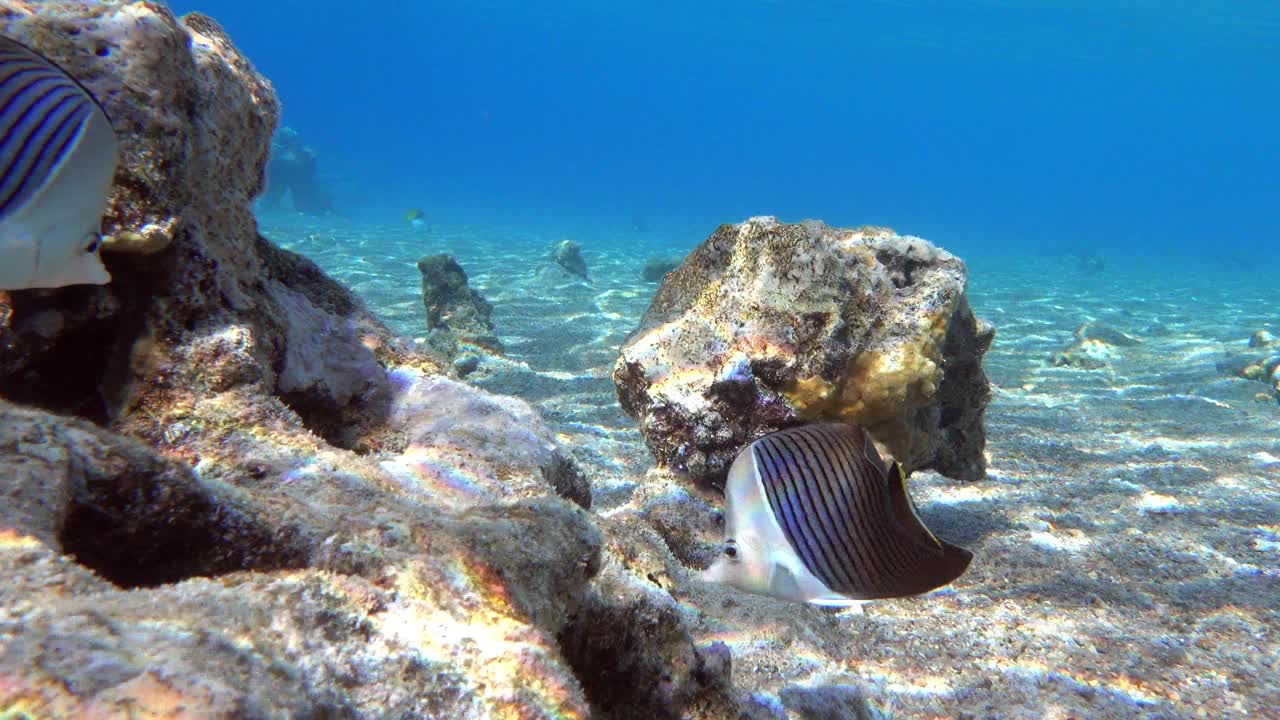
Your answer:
<point x="767" y="325"/>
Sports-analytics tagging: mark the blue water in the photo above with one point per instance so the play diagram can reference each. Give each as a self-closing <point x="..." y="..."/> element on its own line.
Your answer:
<point x="988" y="126"/>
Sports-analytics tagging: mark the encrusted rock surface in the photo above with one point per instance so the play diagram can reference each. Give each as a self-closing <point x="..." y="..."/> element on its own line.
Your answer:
<point x="455" y="312"/>
<point x="293" y="169"/>
<point x="568" y="255"/>
<point x="405" y="605"/>
<point x="228" y="487"/>
<point x="767" y="325"/>
<point x="1260" y="361"/>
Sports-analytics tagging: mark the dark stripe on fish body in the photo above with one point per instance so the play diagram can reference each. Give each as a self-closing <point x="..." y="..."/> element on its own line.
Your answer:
<point x="28" y="141"/>
<point x="861" y="513"/>
<point x="43" y="111"/>
<point x="823" y="465"/>
<point x="20" y="100"/>
<point x="16" y="117"/>
<point x="779" y="484"/>
<point x="59" y="142"/>
<point x="23" y="175"/>
<point x="787" y="508"/>
<point x="809" y="470"/>
<point x="831" y="492"/>
<point x="839" y="464"/>
<point x="781" y="490"/>
<point x="899" y="556"/>
<point x="879" y="513"/>
<point x="838" y="571"/>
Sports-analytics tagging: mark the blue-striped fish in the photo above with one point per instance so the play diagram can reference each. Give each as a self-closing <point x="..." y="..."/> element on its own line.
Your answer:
<point x="813" y="515"/>
<point x="57" y="158"/>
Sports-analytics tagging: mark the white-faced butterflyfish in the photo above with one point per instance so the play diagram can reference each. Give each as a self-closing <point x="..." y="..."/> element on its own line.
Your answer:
<point x="813" y="515"/>
<point x="57" y="159"/>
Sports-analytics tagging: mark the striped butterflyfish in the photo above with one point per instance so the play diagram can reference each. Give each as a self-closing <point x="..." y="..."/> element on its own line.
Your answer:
<point x="57" y="159"/>
<point x="813" y="515"/>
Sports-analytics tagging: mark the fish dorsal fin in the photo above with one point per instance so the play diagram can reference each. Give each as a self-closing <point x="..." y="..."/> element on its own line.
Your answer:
<point x="903" y="511"/>
<point x="869" y="451"/>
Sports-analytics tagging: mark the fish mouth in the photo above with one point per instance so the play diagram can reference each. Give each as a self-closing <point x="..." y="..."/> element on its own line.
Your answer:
<point x="716" y="573"/>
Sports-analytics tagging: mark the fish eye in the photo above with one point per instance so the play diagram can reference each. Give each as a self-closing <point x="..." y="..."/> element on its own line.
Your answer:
<point x="95" y="241"/>
<point x="731" y="549"/>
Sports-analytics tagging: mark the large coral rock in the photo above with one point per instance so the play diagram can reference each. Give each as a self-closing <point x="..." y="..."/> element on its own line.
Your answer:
<point x="406" y="605"/>
<point x="767" y="325"/>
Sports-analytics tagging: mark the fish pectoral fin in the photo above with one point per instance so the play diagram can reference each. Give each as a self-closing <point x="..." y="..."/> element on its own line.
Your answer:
<point x="783" y="583"/>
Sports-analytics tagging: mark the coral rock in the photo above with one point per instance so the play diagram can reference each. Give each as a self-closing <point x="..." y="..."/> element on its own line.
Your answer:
<point x="453" y="308"/>
<point x="500" y="445"/>
<point x="768" y="325"/>
<point x="1262" y="338"/>
<point x="568" y="255"/>
<point x="293" y="169"/>
<point x="1086" y="353"/>
<point x="656" y="268"/>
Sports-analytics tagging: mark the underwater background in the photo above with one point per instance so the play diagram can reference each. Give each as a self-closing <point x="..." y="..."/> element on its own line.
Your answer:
<point x="282" y="511"/>
<point x="1142" y="129"/>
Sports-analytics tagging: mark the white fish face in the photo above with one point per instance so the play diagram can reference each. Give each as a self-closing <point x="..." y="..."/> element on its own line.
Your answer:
<point x="756" y="555"/>
<point x="745" y="563"/>
<point x="48" y="248"/>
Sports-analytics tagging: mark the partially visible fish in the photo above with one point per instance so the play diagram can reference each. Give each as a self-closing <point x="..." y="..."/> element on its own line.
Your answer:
<point x="417" y="218"/>
<point x="813" y="515"/>
<point x="57" y="158"/>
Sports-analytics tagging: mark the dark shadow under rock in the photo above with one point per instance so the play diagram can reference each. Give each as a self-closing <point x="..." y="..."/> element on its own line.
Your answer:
<point x="656" y="268"/>
<point x="829" y="702"/>
<point x="131" y="516"/>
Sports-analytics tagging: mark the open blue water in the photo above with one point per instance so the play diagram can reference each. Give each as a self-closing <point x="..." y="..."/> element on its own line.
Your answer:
<point x="1140" y="127"/>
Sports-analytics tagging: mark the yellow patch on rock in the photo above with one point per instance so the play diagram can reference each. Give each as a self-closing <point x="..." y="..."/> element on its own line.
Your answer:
<point x="879" y="387"/>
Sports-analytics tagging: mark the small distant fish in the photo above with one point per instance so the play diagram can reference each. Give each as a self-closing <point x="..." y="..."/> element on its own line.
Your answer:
<point x="813" y="515"/>
<point x="57" y="158"/>
<point x="416" y="218"/>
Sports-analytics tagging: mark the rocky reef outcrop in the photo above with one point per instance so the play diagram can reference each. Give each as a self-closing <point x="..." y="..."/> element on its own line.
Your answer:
<point x="293" y="171"/>
<point x="456" y="313"/>
<point x="567" y="254"/>
<point x="767" y="325"/>
<point x="1094" y="346"/>
<point x="1259" y="362"/>
<point x="657" y="267"/>
<point x="227" y="486"/>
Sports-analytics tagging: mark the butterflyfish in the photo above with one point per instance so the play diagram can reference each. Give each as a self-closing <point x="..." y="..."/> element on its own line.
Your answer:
<point x="58" y="155"/>
<point x="812" y="514"/>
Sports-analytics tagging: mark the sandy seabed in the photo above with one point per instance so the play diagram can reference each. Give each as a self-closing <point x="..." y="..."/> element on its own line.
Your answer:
<point x="1126" y="539"/>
